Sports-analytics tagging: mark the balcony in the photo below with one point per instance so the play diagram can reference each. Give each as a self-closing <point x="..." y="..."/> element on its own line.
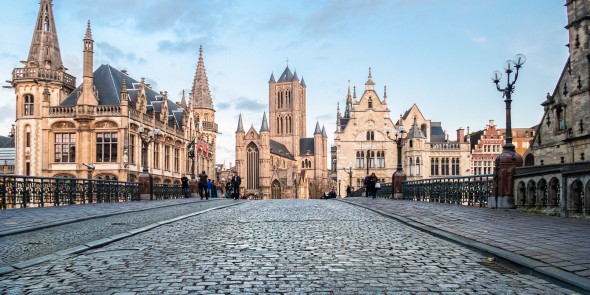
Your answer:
<point x="20" y="74"/>
<point x="209" y="126"/>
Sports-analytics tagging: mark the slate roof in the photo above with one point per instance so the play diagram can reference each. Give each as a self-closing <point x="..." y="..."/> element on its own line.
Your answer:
<point x="306" y="144"/>
<point x="279" y="149"/>
<point x="437" y="134"/>
<point x="108" y="82"/>
<point x="286" y="76"/>
<point x="4" y="140"/>
<point x="415" y="132"/>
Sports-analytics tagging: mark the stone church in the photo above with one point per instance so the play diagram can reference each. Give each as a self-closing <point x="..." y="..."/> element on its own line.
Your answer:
<point x="115" y="123"/>
<point x="362" y="145"/>
<point x="279" y="160"/>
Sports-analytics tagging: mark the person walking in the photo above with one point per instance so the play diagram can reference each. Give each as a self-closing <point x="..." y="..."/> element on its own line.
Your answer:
<point x="209" y="189"/>
<point x="228" y="190"/>
<point x="367" y="185"/>
<point x="203" y="184"/>
<point x="236" y="180"/>
<point x="371" y="185"/>
<point x="348" y="191"/>
<point x="185" y="187"/>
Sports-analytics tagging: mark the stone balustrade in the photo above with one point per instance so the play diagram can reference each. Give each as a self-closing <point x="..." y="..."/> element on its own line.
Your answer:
<point x="44" y="75"/>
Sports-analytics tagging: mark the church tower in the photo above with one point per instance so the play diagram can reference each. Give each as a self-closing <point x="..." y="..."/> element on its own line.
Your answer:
<point x="287" y="101"/>
<point x="41" y="83"/>
<point x="201" y="104"/>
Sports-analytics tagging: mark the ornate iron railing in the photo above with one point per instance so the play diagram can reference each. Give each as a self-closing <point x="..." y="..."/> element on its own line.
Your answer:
<point x="17" y="191"/>
<point x="463" y="190"/>
<point x="167" y="191"/>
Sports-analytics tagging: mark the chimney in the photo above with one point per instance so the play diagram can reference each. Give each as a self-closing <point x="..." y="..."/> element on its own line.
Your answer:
<point x="460" y="135"/>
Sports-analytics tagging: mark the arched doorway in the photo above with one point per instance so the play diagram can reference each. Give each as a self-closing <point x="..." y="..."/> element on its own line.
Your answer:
<point x="531" y="194"/>
<point x="521" y="194"/>
<point x="554" y="192"/>
<point x="529" y="160"/>
<point x="577" y="196"/>
<point x="275" y="191"/>
<point x="542" y="196"/>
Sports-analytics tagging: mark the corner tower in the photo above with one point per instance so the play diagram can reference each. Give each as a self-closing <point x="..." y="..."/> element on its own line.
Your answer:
<point x="40" y="84"/>
<point x="287" y="113"/>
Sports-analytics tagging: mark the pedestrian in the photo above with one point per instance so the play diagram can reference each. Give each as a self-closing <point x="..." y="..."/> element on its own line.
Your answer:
<point x="367" y="185"/>
<point x="371" y="185"/>
<point x="236" y="180"/>
<point x="185" y="187"/>
<point x="377" y="186"/>
<point x="228" y="190"/>
<point x="348" y="191"/>
<point x="203" y="184"/>
<point x="209" y="189"/>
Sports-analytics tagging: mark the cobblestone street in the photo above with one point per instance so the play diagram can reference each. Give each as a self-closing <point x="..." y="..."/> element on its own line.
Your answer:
<point x="280" y="246"/>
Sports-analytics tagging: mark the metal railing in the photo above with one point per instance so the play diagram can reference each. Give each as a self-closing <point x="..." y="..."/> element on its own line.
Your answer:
<point x="167" y="191"/>
<point x="17" y="191"/>
<point x="462" y="190"/>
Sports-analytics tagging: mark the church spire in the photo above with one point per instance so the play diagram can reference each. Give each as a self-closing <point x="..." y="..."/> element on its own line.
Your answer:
<point x="183" y="100"/>
<point x="370" y="85"/>
<point x="88" y="96"/>
<point x="200" y="95"/>
<point x="264" y="126"/>
<point x="44" y="52"/>
<point x="240" y="125"/>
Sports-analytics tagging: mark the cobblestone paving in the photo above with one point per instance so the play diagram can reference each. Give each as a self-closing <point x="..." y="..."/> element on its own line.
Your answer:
<point x="557" y="241"/>
<point x="280" y="246"/>
<point x="20" y="247"/>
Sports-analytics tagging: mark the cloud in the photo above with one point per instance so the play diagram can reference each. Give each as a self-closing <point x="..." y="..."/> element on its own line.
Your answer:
<point x="244" y="103"/>
<point x="481" y="40"/>
<point x="222" y="106"/>
<point x="114" y="54"/>
<point x="6" y="55"/>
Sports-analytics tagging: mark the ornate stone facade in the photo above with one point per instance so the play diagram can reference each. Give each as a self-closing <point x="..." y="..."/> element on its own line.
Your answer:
<point x="362" y="145"/>
<point x="111" y="121"/>
<point x="278" y="161"/>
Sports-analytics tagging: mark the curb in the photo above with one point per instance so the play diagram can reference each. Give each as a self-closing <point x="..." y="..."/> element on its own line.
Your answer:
<point x="535" y="267"/>
<point x="103" y="242"/>
<point x="34" y="228"/>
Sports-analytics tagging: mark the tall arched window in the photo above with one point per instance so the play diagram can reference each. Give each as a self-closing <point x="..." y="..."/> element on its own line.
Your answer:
<point x="418" y="166"/>
<point x="370" y="103"/>
<point x="411" y="167"/>
<point x="278" y="124"/>
<point x="29" y="105"/>
<point x="252" y="166"/>
<point x="370" y="135"/>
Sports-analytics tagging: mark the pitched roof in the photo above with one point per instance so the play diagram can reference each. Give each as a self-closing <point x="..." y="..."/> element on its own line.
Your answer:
<point x="272" y="78"/>
<point x="306" y="144"/>
<point x="286" y="76"/>
<point x="108" y="82"/>
<point x="437" y="134"/>
<point x="264" y="126"/>
<point x="279" y="149"/>
<point x="318" y="130"/>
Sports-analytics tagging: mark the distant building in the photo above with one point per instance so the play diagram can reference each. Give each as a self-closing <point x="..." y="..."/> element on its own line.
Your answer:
<point x="279" y="160"/>
<point x="114" y="122"/>
<point x="7" y="154"/>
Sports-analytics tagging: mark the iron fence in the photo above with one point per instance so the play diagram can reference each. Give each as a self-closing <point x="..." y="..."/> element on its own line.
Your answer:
<point x="17" y="191"/>
<point x="461" y="190"/>
<point x="167" y="191"/>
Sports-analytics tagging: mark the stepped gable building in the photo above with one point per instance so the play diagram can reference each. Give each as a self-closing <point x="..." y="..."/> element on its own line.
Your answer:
<point x="112" y="121"/>
<point x="279" y="160"/>
<point x="361" y="144"/>
<point x="557" y="166"/>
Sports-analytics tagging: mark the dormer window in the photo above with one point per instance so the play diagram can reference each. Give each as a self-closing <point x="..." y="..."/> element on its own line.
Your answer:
<point x="559" y="115"/>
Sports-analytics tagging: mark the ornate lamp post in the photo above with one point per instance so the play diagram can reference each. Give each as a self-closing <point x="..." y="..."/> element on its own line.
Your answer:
<point x="191" y="155"/>
<point x="508" y="160"/>
<point x="349" y="172"/>
<point x="399" y="175"/>
<point x="145" y="179"/>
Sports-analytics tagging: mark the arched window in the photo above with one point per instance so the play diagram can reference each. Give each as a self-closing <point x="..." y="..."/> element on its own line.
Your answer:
<point x="370" y="135"/>
<point x="360" y="159"/>
<point x="278" y="124"/>
<point x="370" y="103"/>
<point x="560" y="119"/>
<point x="411" y="167"/>
<point x="29" y="105"/>
<point x="411" y="143"/>
<point x="252" y="166"/>
<point x="418" y="170"/>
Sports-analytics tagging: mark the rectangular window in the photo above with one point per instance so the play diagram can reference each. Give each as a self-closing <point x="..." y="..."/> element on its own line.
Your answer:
<point x="28" y="139"/>
<point x="65" y="148"/>
<point x="28" y="168"/>
<point x="106" y="147"/>
<point x="156" y="155"/>
<point x="167" y="158"/>
<point x="132" y="149"/>
<point x="176" y="160"/>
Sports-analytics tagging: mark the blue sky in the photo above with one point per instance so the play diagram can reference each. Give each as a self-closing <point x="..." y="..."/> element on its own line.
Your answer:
<point x="438" y="54"/>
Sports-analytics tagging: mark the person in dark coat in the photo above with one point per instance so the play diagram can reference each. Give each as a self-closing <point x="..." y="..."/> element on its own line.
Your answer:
<point x="185" y="188"/>
<point x="236" y="180"/>
<point x="371" y="185"/>
<point x="348" y="191"/>
<point x="202" y="184"/>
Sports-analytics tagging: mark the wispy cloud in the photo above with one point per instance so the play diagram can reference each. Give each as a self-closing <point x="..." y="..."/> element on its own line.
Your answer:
<point x="112" y="53"/>
<point x="481" y="40"/>
<point x="245" y="103"/>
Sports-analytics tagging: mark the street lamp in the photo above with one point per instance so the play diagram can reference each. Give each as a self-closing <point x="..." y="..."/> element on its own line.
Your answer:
<point x="191" y="155"/>
<point x="399" y="175"/>
<point x="349" y="172"/>
<point x="508" y="160"/>
<point x="147" y="137"/>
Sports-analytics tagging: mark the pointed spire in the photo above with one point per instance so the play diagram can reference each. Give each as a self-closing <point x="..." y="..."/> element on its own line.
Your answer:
<point x="303" y="82"/>
<point x="370" y="85"/>
<point x="286" y="76"/>
<point x="183" y="100"/>
<point x="88" y="52"/>
<point x="240" y="125"/>
<point x="124" y="92"/>
<point x="318" y="130"/>
<point x="44" y="52"/>
<point x="324" y="134"/>
<point x="295" y="76"/>
<point x="272" y="78"/>
<point x="88" y="32"/>
<point x="264" y="126"/>
<point x="200" y="95"/>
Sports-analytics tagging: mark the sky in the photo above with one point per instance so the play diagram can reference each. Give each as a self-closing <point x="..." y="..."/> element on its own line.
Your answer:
<point x="438" y="54"/>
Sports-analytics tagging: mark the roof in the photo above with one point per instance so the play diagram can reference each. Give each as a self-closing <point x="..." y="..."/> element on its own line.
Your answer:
<point x="4" y="140"/>
<point x="7" y="156"/>
<point x="108" y="82"/>
<point x="240" y="125"/>
<point x="279" y="149"/>
<point x="306" y="144"/>
<point x="264" y="126"/>
<point x="318" y="130"/>
<point x="437" y="134"/>
<point x="287" y="76"/>
<point x="415" y="132"/>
